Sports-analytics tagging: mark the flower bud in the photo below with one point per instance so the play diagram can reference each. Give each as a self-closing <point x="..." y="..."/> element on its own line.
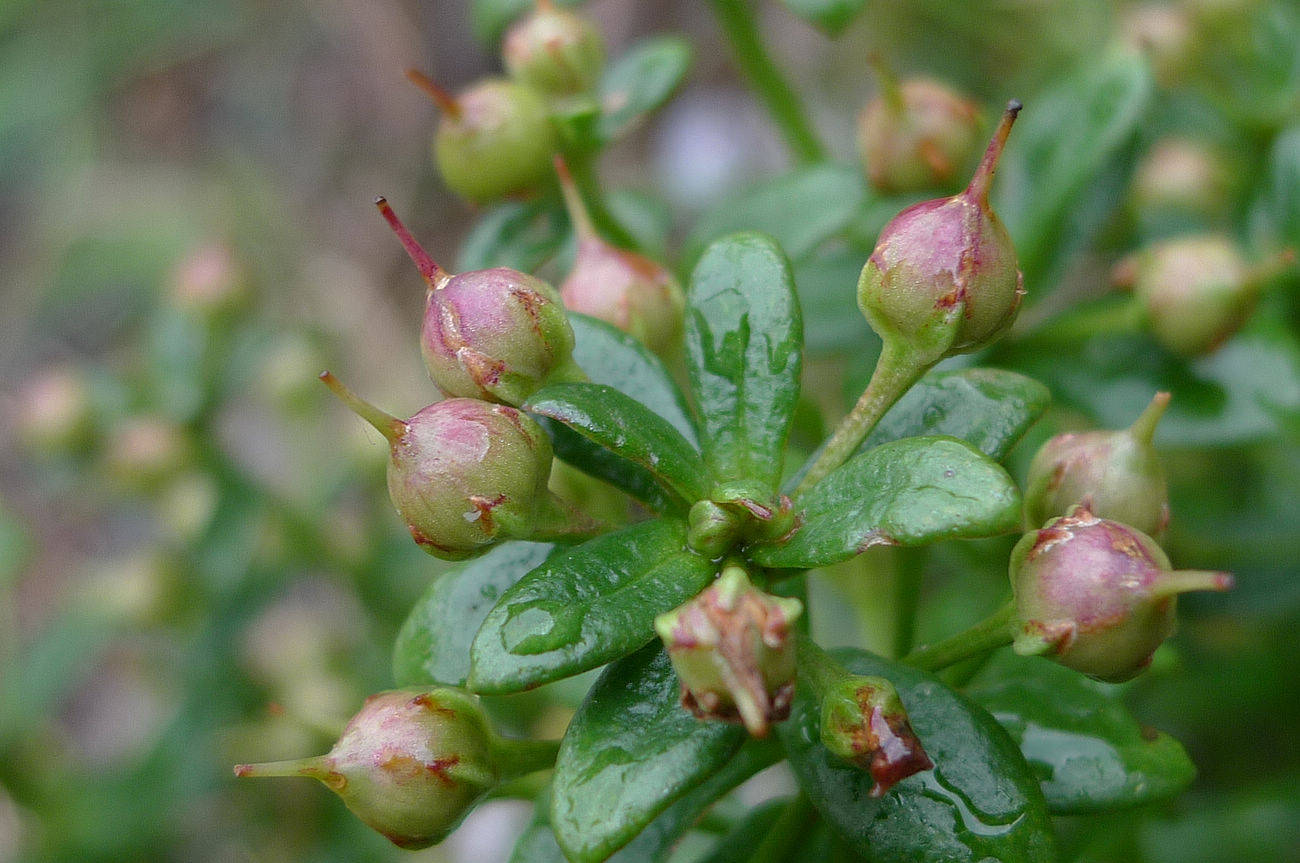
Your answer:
<point x="54" y="413"/>
<point x="1097" y="596"/>
<point x="1166" y="33"/>
<point x="144" y="451"/>
<point x="496" y="334"/>
<point x="623" y="288"/>
<point x="733" y="653"/>
<point x="1180" y="177"/>
<point x="410" y="764"/>
<point x="713" y="528"/>
<point x="494" y="139"/>
<point x="943" y="278"/>
<point x="864" y="722"/>
<point x="462" y="473"/>
<point x="1113" y="474"/>
<point x="916" y="135"/>
<point x="554" y="51"/>
<point x="1197" y="291"/>
<point x="209" y="282"/>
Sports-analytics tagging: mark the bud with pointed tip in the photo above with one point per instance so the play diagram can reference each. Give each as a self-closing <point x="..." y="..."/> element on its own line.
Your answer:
<point x="494" y="138"/>
<point x="1114" y="474"/>
<point x="943" y="278"/>
<point x="497" y="334"/>
<point x="465" y="474"/>
<point x="1197" y="291"/>
<point x="626" y="289"/>
<point x="916" y="135"/>
<point x="410" y="764"/>
<point x="1097" y="596"/>
<point x="732" y="649"/>
<point x="554" y="51"/>
<point x="864" y="722"/>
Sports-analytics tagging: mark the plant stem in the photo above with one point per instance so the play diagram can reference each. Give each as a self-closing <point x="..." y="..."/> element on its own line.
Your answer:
<point x="895" y="372"/>
<point x="736" y="18"/>
<point x="520" y="757"/>
<point x="788" y="828"/>
<point x="907" y="597"/>
<point x="989" y="634"/>
<point x="815" y="666"/>
<point x="582" y="169"/>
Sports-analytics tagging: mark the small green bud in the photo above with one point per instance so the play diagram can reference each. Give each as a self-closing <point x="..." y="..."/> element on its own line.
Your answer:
<point x="1197" y="292"/>
<point x="714" y="529"/>
<point x="54" y="413"/>
<point x="733" y="653"/>
<point x="142" y="452"/>
<point x="1113" y="474"/>
<point x="1180" y="177"/>
<point x="630" y="291"/>
<point x="916" y="135"/>
<point x="411" y="764"/>
<point x="864" y="722"/>
<point x="1166" y="34"/>
<point x="554" y="51"/>
<point x="463" y="474"/>
<point x="209" y="282"/>
<point x="1097" y="596"/>
<point x="943" y="278"/>
<point x="497" y="335"/>
<point x="494" y="139"/>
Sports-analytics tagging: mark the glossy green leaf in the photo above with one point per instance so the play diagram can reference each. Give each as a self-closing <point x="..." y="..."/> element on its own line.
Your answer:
<point x="625" y="427"/>
<point x="433" y="644"/>
<point x="630" y="751"/>
<point x="518" y="234"/>
<point x="594" y="460"/>
<point x="739" y="845"/>
<point x="990" y="409"/>
<point x="586" y="607"/>
<point x="744" y="344"/>
<point x="640" y="81"/>
<point x="801" y="210"/>
<point x="1085" y="746"/>
<point x="1061" y="144"/>
<point x="612" y="357"/>
<point x="914" y="491"/>
<point x="830" y="15"/>
<point x="980" y="802"/>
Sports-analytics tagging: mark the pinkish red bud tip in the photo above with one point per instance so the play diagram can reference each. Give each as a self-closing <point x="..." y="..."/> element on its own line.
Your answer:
<point x="432" y="274"/>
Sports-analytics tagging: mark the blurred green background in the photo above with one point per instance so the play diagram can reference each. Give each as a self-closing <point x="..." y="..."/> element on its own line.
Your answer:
<point x="198" y="564"/>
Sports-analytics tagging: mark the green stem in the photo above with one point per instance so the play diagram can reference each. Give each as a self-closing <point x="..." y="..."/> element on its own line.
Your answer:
<point x="789" y="828"/>
<point x="895" y="372"/>
<point x="582" y="167"/>
<point x="736" y="18"/>
<point x="558" y="520"/>
<point x="517" y="758"/>
<point x="989" y="634"/>
<point x="907" y="598"/>
<point x="815" y="666"/>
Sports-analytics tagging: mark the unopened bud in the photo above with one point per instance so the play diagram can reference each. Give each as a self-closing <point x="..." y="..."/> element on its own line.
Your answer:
<point x="554" y="51"/>
<point x="143" y="451"/>
<point x="209" y="281"/>
<point x="54" y="410"/>
<point x="864" y="722"/>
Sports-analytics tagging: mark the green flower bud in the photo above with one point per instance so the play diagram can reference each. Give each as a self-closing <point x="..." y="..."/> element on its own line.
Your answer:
<point x="494" y="139"/>
<point x="733" y="653"/>
<point x="916" y="135"/>
<point x="54" y="413"/>
<point x="411" y="764"/>
<point x="864" y="722"/>
<point x="464" y="474"/>
<point x="1097" y="596"/>
<point x="554" y="51"/>
<point x="209" y="282"/>
<point x="1180" y="177"/>
<point x="630" y="291"/>
<point x="1113" y="474"/>
<point x="144" y="451"/>
<point x="496" y="334"/>
<point x="1197" y="292"/>
<point x="714" y="529"/>
<point x="943" y="278"/>
<point x="1166" y="33"/>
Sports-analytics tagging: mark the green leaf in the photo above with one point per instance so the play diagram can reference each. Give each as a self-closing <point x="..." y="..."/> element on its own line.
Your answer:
<point x="990" y="409"/>
<point x="1282" y="193"/>
<point x="630" y="751"/>
<point x="744" y="340"/>
<point x="739" y="845"/>
<point x="910" y="492"/>
<point x="518" y="234"/>
<point x="433" y="644"/>
<point x="800" y="210"/>
<point x="640" y="81"/>
<point x="1088" y="750"/>
<point x="594" y="460"/>
<point x="828" y="291"/>
<point x="612" y="357"/>
<point x="980" y="802"/>
<point x="586" y="607"/>
<point x="830" y="15"/>
<point x="1063" y="141"/>
<point x="622" y="425"/>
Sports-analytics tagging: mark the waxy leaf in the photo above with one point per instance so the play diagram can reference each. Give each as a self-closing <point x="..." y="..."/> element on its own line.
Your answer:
<point x="990" y="409"/>
<point x="830" y="15"/>
<point x="518" y="234"/>
<point x="980" y="802"/>
<point x="630" y="751"/>
<point x="595" y="460"/>
<point x="800" y="210"/>
<point x="433" y="644"/>
<point x="828" y="283"/>
<point x="744" y="343"/>
<point x="625" y="427"/>
<point x="586" y="607"/>
<point x="640" y="81"/>
<point x="910" y="492"/>
<point x="1088" y="750"/>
